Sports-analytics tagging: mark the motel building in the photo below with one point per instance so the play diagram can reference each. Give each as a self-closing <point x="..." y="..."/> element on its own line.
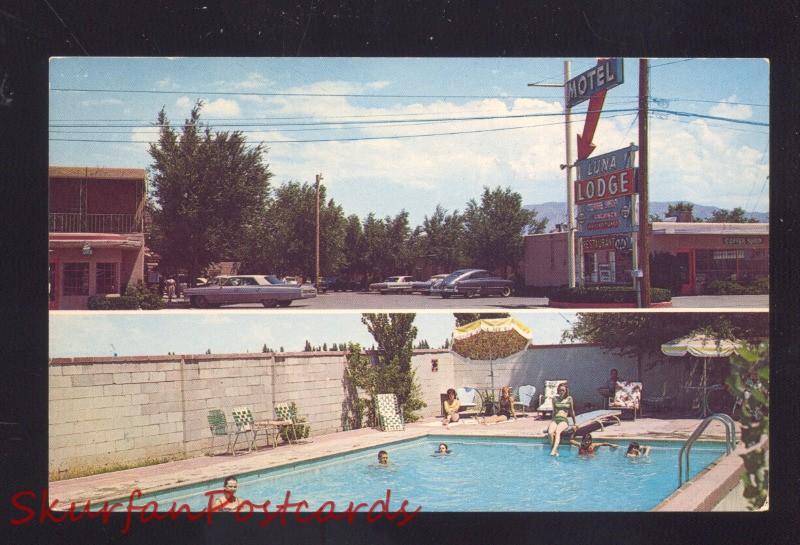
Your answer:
<point x="96" y="233"/>
<point x="684" y="256"/>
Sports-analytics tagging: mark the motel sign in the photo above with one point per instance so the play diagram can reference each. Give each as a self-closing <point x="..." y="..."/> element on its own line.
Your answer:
<point x="607" y="186"/>
<point x="605" y="75"/>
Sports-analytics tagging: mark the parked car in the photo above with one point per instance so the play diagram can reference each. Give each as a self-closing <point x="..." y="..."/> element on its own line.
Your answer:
<point x="426" y="286"/>
<point x="325" y="283"/>
<point x="393" y="284"/>
<point x="293" y="280"/>
<point x="474" y="282"/>
<point x="268" y="290"/>
<point x="343" y="284"/>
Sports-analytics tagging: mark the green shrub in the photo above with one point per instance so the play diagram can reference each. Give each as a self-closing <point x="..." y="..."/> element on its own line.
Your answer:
<point x="607" y="295"/>
<point x="760" y="286"/>
<point x="102" y="302"/>
<point x="147" y="299"/>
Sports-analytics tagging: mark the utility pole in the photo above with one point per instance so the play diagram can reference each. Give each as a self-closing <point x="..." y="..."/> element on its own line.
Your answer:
<point x="570" y="164"/>
<point x="316" y="276"/>
<point x="644" y="213"/>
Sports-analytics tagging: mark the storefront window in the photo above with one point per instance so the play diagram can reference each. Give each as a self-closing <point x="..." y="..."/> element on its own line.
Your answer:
<point x="740" y="265"/>
<point x="76" y="279"/>
<point x="106" y="277"/>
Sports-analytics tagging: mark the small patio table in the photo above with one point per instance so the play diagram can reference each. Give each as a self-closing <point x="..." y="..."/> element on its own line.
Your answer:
<point x="272" y="428"/>
<point x="704" y="410"/>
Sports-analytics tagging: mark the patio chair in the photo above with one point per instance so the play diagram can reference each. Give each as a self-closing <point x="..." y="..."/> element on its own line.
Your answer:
<point x="546" y="399"/>
<point x="627" y="397"/>
<point x="220" y="427"/>
<point x="467" y="399"/>
<point x="593" y="420"/>
<point x="659" y="402"/>
<point x="286" y="417"/>
<point x="243" y="418"/>
<point x="389" y="413"/>
<point x="524" y="396"/>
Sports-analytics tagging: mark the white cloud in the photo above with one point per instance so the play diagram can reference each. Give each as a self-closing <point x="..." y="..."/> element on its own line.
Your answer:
<point x="183" y="102"/>
<point x="167" y="83"/>
<point x="222" y="107"/>
<point x="378" y="84"/>
<point x="733" y="111"/>
<point x="102" y="102"/>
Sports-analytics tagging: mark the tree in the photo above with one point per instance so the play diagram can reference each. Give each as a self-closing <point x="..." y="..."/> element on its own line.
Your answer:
<point x="206" y="187"/>
<point x="395" y="334"/>
<point x="442" y="239"/>
<point x="737" y="215"/>
<point x="642" y="335"/>
<point x="291" y="226"/>
<point x="308" y="347"/>
<point x="495" y="227"/>
<point x="680" y="209"/>
<point x="464" y="318"/>
<point x="354" y="251"/>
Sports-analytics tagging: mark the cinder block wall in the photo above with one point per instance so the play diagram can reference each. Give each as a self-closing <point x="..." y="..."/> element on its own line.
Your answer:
<point x="117" y="410"/>
<point x="120" y="410"/>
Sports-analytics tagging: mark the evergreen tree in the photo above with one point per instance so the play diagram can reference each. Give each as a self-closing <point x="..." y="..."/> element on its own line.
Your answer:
<point x="308" y="347"/>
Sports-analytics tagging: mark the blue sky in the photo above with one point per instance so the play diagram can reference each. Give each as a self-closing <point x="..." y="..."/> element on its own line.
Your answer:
<point x="75" y="334"/>
<point x="706" y="161"/>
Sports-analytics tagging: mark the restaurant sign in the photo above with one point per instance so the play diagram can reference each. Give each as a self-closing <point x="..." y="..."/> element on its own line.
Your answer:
<point x="619" y="243"/>
<point x="742" y="241"/>
<point x="607" y="217"/>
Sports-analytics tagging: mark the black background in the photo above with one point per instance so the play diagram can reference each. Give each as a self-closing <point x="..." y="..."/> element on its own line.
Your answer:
<point x="33" y="30"/>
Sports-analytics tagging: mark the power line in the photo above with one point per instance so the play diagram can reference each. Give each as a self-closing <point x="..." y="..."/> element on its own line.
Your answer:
<point x="354" y="139"/>
<point x="253" y="93"/>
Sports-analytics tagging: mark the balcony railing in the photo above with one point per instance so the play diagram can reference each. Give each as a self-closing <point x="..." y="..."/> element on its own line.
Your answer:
<point x="61" y="222"/>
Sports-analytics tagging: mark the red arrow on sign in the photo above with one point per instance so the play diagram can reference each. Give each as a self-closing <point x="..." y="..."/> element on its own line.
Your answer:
<point x="585" y="146"/>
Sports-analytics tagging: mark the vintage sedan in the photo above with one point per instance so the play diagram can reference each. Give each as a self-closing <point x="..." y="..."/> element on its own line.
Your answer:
<point x="430" y="284"/>
<point x="474" y="283"/>
<point x="393" y="284"/>
<point x="268" y="290"/>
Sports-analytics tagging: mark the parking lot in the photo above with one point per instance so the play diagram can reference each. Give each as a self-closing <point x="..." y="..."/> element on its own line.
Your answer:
<point x="364" y="300"/>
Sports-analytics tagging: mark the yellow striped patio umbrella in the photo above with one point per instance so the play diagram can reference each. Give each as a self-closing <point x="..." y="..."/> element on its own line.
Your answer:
<point x="705" y="347"/>
<point x="489" y="339"/>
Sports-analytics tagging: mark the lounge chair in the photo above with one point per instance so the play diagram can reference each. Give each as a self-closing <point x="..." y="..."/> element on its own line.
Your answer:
<point x="546" y="399"/>
<point x="389" y="413"/>
<point x="593" y="420"/>
<point x="220" y="427"/>
<point x="286" y="417"/>
<point x="466" y="397"/>
<point x="524" y="396"/>
<point x="627" y="397"/>
<point x="243" y="418"/>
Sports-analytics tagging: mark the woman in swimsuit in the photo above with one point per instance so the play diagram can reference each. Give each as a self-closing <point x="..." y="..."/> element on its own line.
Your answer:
<point x="587" y="447"/>
<point x="505" y="409"/>
<point x="562" y="408"/>
<point x="229" y="501"/>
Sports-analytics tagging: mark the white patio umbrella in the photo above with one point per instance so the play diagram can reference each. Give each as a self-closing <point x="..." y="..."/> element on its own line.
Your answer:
<point x="705" y="347"/>
<point x="488" y="339"/>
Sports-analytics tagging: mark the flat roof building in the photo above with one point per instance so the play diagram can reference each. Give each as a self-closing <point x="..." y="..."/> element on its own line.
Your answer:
<point x="684" y="257"/>
<point x="96" y="232"/>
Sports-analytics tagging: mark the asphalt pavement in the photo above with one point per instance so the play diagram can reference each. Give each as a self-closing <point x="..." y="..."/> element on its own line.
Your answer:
<point x="375" y="301"/>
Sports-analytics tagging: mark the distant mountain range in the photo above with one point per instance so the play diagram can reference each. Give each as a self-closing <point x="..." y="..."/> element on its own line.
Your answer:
<point x="556" y="212"/>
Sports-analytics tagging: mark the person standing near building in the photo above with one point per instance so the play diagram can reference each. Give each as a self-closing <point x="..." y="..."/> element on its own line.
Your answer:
<point x="170" y="288"/>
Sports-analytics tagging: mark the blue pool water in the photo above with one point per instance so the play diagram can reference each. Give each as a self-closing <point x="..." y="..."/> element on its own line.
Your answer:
<point x="480" y="474"/>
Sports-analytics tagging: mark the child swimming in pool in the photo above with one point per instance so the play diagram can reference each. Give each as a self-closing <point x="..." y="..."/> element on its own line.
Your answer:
<point x="635" y="450"/>
<point x="443" y="449"/>
<point x="586" y="446"/>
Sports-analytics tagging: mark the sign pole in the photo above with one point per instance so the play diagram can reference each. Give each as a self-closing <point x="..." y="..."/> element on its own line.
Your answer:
<point x="644" y="243"/>
<point x="316" y="275"/>
<point x="570" y="188"/>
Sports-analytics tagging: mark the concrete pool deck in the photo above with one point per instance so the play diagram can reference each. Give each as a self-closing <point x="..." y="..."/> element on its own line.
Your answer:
<point x="149" y="479"/>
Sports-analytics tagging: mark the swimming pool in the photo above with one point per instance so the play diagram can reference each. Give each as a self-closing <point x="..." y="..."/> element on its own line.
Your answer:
<point x="480" y="474"/>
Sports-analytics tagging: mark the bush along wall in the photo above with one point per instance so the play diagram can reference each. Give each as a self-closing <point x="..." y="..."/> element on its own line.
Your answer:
<point x="124" y="302"/>
<point x="607" y="294"/>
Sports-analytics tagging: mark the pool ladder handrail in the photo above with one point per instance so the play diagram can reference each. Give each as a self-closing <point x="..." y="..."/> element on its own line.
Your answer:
<point x="730" y="441"/>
